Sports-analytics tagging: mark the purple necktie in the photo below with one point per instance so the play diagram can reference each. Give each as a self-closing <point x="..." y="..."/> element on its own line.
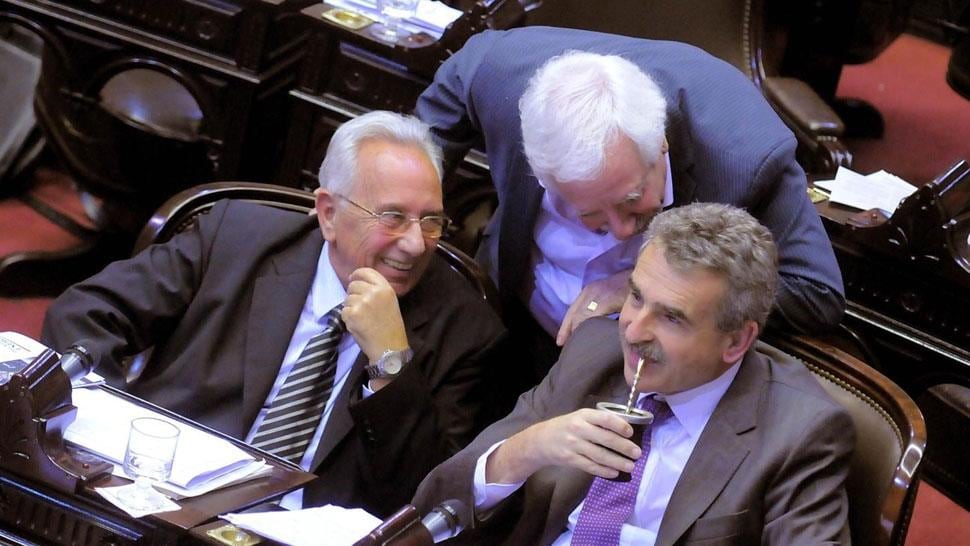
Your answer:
<point x="608" y="504"/>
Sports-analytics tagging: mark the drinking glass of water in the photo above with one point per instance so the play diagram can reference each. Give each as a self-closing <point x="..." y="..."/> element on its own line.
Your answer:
<point x="393" y="11"/>
<point x="148" y="459"/>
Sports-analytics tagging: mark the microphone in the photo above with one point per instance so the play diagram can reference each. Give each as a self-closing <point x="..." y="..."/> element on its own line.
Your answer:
<point x="443" y="522"/>
<point x="77" y="360"/>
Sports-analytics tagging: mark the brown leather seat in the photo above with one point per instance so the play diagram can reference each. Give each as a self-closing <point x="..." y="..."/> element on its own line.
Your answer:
<point x="890" y="437"/>
<point x="737" y="31"/>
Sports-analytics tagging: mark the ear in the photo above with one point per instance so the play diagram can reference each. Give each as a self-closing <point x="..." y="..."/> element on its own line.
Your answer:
<point x="326" y="206"/>
<point x="740" y="341"/>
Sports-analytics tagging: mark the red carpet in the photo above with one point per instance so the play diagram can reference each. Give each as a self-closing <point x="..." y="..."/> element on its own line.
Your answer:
<point x="927" y="123"/>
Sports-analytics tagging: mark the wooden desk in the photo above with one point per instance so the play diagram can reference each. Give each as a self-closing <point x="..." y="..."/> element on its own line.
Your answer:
<point x="31" y="512"/>
<point x="907" y="284"/>
<point x="905" y="313"/>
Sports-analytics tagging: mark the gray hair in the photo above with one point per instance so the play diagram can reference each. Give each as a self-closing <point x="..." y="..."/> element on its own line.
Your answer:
<point x="339" y="167"/>
<point x="728" y="241"/>
<point x="578" y="103"/>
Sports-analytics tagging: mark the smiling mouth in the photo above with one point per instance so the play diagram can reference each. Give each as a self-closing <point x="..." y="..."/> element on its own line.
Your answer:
<point x="404" y="267"/>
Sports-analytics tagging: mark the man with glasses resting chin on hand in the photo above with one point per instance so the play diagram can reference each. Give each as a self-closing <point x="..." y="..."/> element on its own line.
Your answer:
<point x="255" y="304"/>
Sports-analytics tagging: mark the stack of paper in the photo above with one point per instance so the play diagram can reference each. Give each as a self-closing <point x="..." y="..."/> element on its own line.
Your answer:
<point x="879" y="190"/>
<point x="322" y="526"/>
<point x="16" y="351"/>
<point x="432" y="17"/>
<point x="203" y="462"/>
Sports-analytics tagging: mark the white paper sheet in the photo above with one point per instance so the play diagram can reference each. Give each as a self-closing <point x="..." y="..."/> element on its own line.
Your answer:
<point x="431" y="17"/>
<point x="321" y="526"/>
<point x="16" y="351"/>
<point x="879" y="190"/>
<point x="102" y="425"/>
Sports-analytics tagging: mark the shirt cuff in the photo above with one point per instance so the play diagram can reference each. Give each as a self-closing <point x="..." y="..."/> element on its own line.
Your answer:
<point x="365" y="391"/>
<point x="487" y="495"/>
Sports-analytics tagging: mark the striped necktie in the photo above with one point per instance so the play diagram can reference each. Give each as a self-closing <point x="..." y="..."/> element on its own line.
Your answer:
<point x="608" y="504"/>
<point x="296" y="410"/>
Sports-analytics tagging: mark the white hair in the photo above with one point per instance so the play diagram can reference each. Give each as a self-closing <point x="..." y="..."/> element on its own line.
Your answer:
<point x="339" y="167"/>
<point x="578" y="103"/>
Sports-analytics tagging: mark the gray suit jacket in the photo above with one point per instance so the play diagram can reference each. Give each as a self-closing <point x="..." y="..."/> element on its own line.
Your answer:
<point x="220" y="303"/>
<point x="769" y="467"/>
<point x="726" y="145"/>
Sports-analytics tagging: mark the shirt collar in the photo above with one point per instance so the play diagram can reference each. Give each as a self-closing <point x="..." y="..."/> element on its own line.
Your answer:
<point x="327" y="291"/>
<point x="694" y="407"/>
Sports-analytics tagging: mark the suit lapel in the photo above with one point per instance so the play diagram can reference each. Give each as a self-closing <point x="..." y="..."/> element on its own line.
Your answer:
<point x="719" y="452"/>
<point x="340" y="421"/>
<point x="279" y="292"/>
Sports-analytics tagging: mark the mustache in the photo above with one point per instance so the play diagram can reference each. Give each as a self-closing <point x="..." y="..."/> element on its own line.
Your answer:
<point x="651" y="351"/>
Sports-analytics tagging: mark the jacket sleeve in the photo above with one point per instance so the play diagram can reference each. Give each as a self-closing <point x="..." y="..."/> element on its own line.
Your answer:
<point x="810" y="293"/>
<point x="447" y="104"/>
<point x="133" y="303"/>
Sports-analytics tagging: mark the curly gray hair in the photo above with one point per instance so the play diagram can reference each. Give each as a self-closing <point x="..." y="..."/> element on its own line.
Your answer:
<point x="728" y="241"/>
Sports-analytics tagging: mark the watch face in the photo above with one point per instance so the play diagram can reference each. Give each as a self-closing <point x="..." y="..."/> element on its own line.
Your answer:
<point x="392" y="364"/>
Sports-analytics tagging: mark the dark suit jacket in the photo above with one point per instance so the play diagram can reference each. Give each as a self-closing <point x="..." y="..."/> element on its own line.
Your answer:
<point x="726" y="145"/>
<point x="769" y="467"/>
<point x="220" y="303"/>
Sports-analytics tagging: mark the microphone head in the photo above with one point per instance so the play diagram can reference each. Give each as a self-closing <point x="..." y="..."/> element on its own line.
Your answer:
<point x="78" y="360"/>
<point x="444" y="520"/>
<point x="80" y="348"/>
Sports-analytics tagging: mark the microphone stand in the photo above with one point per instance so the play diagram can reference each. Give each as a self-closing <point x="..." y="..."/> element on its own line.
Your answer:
<point x="403" y="528"/>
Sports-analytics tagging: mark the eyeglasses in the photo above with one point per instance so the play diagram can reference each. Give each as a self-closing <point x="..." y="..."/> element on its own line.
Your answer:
<point x="432" y="226"/>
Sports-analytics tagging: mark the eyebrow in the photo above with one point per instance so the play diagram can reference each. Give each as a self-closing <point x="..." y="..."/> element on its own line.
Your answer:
<point x="673" y="311"/>
<point x="666" y="309"/>
<point x="638" y="193"/>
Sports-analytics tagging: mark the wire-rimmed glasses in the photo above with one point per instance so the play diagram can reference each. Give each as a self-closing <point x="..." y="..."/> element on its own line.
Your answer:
<point x="432" y="226"/>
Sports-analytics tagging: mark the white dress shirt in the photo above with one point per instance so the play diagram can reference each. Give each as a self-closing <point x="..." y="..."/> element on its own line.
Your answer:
<point x="566" y="256"/>
<point x="671" y="443"/>
<point x="326" y="292"/>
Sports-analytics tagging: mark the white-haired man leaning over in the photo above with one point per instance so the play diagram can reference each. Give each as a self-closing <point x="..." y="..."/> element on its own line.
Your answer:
<point x="588" y="136"/>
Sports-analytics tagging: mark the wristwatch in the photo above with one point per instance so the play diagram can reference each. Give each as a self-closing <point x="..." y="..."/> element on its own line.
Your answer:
<point x="389" y="364"/>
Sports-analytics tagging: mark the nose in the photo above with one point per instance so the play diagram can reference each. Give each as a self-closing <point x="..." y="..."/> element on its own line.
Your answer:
<point x="622" y="225"/>
<point x="640" y="327"/>
<point x="412" y="241"/>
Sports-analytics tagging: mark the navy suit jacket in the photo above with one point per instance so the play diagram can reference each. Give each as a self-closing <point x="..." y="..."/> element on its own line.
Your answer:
<point x="726" y="145"/>
<point x="219" y="305"/>
<point x="769" y="467"/>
